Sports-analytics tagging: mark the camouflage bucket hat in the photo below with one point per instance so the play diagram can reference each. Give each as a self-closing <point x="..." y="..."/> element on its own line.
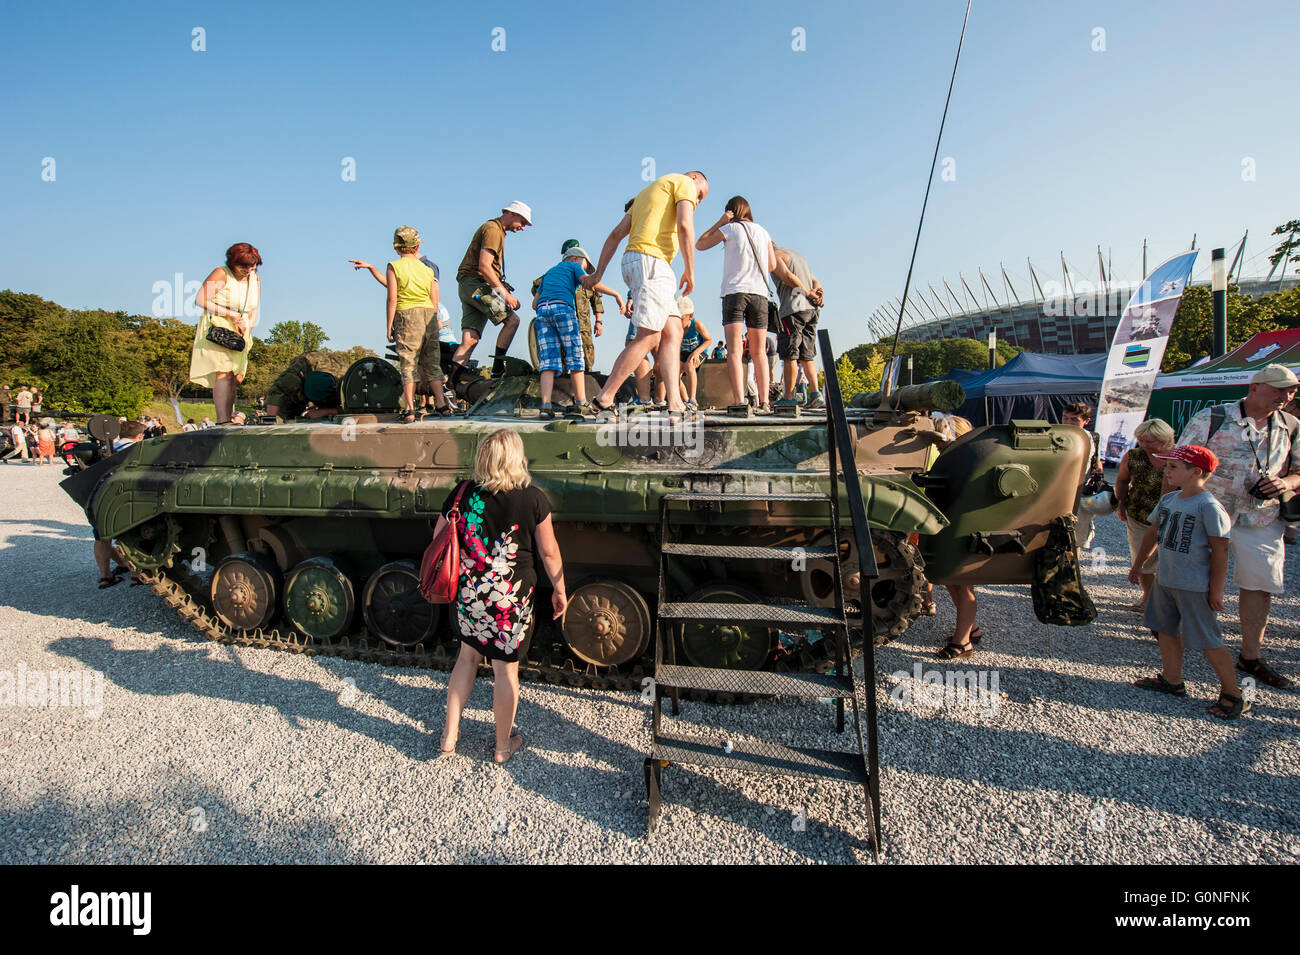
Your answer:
<point x="320" y="387"/>
<point x="406" y="237"/>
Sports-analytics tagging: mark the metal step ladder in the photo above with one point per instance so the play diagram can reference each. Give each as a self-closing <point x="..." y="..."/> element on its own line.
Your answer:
<point x="857" y="766"/>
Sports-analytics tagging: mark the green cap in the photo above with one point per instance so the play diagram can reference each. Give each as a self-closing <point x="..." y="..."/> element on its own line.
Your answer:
<point x="406" y="237"/>
<point x="321" y="388"/>
<point x="568" y="244"/>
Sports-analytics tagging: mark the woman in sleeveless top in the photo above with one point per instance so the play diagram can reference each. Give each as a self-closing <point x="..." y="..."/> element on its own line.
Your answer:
<point x="229" y="298"/>
<point x="1138" y="487"/>
<point x="504" y="522"/>
<point x="748" y="258"/>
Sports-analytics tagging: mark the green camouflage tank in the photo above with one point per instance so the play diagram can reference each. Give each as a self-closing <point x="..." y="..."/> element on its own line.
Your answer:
<point x="308" y="535"/>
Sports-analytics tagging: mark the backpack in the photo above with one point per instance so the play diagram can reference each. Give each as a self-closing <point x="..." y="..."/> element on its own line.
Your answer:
<point x="1058" y="593"/>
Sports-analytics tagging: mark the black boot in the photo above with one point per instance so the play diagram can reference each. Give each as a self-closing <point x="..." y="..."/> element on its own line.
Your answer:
<point x="498" y="363"/>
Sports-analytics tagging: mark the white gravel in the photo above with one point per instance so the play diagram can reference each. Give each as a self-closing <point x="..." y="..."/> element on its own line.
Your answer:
<point x="204" y="753"/>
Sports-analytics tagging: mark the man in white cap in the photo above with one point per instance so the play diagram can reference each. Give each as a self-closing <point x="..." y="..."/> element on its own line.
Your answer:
<point x="660" y="221"/>
<point x="485" y="295"/>
<point x="1258" y="446"/>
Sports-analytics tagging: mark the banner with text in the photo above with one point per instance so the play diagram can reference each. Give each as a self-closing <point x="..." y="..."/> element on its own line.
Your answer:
<point x="1136" y="353"/>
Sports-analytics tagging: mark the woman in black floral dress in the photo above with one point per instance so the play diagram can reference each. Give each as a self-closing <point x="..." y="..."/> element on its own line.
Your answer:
<point x="503" y="521"/>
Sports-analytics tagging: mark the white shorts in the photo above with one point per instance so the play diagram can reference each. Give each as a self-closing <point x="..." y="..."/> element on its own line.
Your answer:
<point x="1136" y="531"/>
<point x="1259" y="555"/>
<point x="654" y="290"/>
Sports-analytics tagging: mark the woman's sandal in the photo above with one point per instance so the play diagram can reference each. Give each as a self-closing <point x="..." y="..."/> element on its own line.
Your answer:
<point x="1236" y="706"/>
<point x="407" y="416"/>
<point x="603" y="409"/>
<point x="1161" y="685"/>
<point x="502" y="756"/>
<point x="954" y="651"/>
<point x="442" y="746"/>
<point x="109" y="581"/>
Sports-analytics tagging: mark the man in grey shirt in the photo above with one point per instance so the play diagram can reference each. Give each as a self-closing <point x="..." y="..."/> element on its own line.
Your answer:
<point x="796" y="341"/>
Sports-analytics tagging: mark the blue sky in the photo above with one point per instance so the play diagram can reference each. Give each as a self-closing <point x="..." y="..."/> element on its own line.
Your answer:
<point x="164" y="156"/>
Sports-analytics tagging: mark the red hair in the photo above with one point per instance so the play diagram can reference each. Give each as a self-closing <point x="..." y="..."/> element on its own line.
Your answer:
<point x="242" y="254"/>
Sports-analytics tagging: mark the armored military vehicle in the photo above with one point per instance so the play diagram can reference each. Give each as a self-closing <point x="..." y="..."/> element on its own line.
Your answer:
<point x="307" y="536"/>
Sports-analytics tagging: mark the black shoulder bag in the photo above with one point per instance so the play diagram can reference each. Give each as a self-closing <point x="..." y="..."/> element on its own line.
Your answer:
<point x="773" y="309"/>
<point x="225" y="337"/>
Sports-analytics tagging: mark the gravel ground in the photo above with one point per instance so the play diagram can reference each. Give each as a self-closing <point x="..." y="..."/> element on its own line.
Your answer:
<point x="205" y="753"/>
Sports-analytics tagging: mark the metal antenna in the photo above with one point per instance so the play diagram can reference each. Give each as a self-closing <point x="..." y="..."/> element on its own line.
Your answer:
<point x="930" y="182"/>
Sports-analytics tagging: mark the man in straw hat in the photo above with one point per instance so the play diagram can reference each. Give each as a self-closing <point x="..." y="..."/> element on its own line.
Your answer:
<point x="1258" y="447"/>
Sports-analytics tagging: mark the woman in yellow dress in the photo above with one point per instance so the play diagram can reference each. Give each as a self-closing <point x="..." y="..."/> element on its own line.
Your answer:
<point x="229" y="298"/>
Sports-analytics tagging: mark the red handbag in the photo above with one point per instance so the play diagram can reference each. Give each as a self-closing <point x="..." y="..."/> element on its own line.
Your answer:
<point x="440" y="566"/>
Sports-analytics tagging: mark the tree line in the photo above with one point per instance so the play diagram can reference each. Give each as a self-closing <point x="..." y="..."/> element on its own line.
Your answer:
<point x="92" y="361"/>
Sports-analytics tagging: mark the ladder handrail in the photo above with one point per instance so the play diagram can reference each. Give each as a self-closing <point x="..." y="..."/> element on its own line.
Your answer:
<point x="840" y="450"/>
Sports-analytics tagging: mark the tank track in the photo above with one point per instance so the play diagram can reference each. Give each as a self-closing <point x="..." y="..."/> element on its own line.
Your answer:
<point x="803" y="658"/>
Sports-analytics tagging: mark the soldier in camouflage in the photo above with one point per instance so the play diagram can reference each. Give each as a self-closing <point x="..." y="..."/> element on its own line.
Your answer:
<point x="288" y="397"/>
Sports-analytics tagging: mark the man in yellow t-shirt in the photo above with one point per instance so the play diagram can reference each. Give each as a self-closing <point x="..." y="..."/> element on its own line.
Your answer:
<point x="660" y="221"/>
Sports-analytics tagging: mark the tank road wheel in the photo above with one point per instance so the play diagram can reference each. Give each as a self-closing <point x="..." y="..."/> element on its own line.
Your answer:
<point x="394" y="608"/>
<point x="896" y="594"/>
<point x="151" y="545"/>
<point x="320" y="599"/>
<point x="607" y="623"/>
<point x="728" y="646"/>
<point x="245" y="591"/>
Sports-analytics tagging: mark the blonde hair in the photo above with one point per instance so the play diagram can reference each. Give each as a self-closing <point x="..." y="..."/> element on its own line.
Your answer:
<point x="953" y="426"/>
<point x="1156" y="430"/>
<point x="499" y="464"/>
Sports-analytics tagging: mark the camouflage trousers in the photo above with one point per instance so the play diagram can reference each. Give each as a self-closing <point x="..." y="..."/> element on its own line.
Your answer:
<point x="588" y="343"/>
<point x="415" y="339"/>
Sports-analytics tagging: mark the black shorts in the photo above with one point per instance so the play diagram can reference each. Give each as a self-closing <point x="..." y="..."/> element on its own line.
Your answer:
<point x="746" y="307"/>
<point x="797" y="339"/>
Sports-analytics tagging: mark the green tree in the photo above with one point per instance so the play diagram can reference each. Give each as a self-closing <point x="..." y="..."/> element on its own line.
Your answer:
<point x="22" y="316"/>
<point x="303" y="336"/>
<point x="1288" y="248"/>
<point x="1192" y="335"/>
<point x="854" y="380"/>
<point x="81" y="358"/>
<point x="164" y="346"/>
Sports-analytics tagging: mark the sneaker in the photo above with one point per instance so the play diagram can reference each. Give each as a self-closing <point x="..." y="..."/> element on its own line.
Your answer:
<point x="640" y="403"/>
<point x="784" y="403"/>
<point x="815" y="400"/>
<point x="1264" y="673"/>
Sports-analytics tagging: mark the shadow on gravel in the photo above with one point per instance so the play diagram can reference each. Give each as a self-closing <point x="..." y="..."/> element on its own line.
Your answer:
<point x="185" y="823"/>
<point x="169" y="670"/>
<point x="1217" y="787"/>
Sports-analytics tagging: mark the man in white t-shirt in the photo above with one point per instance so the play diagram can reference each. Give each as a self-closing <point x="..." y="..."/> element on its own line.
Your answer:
<point x="18" y="434"/>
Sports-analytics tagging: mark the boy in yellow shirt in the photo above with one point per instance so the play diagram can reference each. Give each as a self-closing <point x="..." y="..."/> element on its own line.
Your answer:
<point x="412" y="311"/>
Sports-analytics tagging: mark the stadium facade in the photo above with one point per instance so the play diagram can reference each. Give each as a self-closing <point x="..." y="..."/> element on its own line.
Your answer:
<point x="1069" y="315"/>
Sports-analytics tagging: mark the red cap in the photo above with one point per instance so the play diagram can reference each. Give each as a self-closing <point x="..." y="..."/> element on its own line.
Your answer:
<point x="1193" y="454"/>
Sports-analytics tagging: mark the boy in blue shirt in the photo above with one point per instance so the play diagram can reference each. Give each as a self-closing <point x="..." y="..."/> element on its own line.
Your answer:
<point x="559" y="335"/>
<point x="1191" y="529"/>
